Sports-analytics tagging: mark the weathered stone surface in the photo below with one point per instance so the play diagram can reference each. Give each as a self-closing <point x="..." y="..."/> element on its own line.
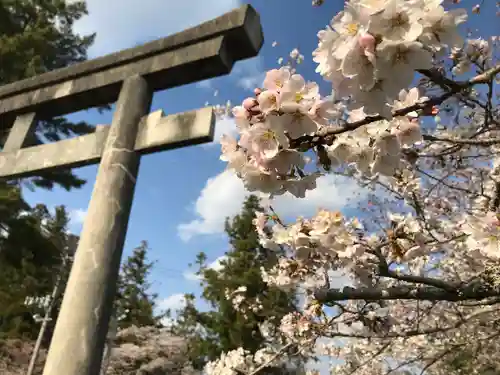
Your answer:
<point x="136" y="351"/>
<point x="15" y="356"/>
<point x="202" y="52"/>
<point x="159" y="133"/>
<point x="155" y="133"/>
<point x="80" y="332"/>
<point x="240" y="25"/>
<point x="148" y="351"/>
<point x="185" y="65"/>
<point x="24" y="126"/>
<point x="75" y="152"/>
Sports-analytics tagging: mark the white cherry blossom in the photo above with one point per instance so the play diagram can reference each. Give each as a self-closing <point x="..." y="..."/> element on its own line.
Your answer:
<point x="422" y="256"/>
<point x="398" y="21"/>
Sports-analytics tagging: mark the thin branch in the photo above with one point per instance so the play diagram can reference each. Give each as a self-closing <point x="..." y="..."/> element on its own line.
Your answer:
<point x="385" y="271"/>
<point x="440" y="284"/>
<point x="327" y="134"/>
<point x="272" y="359"/>
<point x="485" y="77"/>
<point x="375" y="355"/>
<point x="414" y="332"/>
<point x="495" y="200"/>
<point x="473" y="142"/>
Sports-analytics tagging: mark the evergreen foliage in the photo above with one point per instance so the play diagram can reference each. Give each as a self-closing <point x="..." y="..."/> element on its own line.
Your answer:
<point x="223" y="327"/>
<point x="34" y="252"/>
<point x="36" y="36"/>
<point x="134" y="303"/>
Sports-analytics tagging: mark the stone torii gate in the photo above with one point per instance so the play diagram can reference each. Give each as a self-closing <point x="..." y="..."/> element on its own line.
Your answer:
<point x="130" y="77"/>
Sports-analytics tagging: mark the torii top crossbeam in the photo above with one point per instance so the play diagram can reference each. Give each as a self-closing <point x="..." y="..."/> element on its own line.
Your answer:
<point x="201" y="52"/>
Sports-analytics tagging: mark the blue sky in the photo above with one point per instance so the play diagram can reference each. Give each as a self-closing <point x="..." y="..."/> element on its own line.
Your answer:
<point x="183" y="196"/>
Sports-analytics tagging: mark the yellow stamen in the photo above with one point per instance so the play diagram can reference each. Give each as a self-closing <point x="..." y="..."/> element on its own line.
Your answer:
<point x="352" y="29"/>
<point x="268" y="135"/>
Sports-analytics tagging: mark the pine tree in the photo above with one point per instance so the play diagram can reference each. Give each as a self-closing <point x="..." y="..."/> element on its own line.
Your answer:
<point x="37" y="37"/>
<point x="134" y="303"/>
<point x="224" y="327"/>
<point x="66" y="243"/>
<point x="33" y="255"/>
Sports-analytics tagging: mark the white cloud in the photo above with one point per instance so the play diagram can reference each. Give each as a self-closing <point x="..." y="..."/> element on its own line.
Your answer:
<point x="227" y="126"/>
<point x="251" y="82"/>
<point x="224" y="194"/>
<point x="221" y="197"/>
<point x="191" y="276"/>
<point x="206" y="84"/>
<point x="76" y="220"/>
<point x="248" y="74"/>
<point x="174" y="302"/>
<point x="223" y="126"/>
<point x="215" y="265"/>
<point x="122" y="23"/>
<point x="77" y="216"/>
<point x="338" y="279"/>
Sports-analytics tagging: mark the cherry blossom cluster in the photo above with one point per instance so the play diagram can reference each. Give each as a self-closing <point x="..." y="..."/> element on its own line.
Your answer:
<point x="326" y="239"/>
<point x="476" y="51"/>
<point x="484" y="234"/>
<point x="290" y="108"/>
<point x="429" y="229"/>
<point x="240" y="361"/>
<point x="372" y="48"/>
<point x="287" y="109"/>
<point x="242" y="303"/>
<point x="377" y="148"/>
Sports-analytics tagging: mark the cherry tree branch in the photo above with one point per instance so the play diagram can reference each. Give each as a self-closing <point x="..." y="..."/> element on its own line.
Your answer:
<point x="385" y="271"/>
<point x="436" y="283"/>
<point x="275" y="357"/>
<point x="370" y="359"/>
<point x="485" y="77"/>
<point x="451" y="85"/>
<point x="327" y="134"/>
<point x="472" y="142"/>
<point x="495" y="200"/>
<point x="417" y="331"/>
<point x="473" y="291"/>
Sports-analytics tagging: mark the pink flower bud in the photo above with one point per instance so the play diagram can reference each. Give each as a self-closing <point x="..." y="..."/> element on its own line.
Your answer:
<point x="240" y="112"/>
<point x="249" y="103"/>
<point x="367" y="42"/>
